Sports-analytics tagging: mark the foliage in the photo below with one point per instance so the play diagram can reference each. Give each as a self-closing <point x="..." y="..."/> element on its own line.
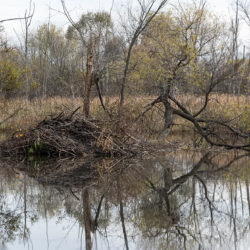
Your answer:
<point x="10" y="77"/>
<point x="90" y="24"/>
<point x="178" y="45"/>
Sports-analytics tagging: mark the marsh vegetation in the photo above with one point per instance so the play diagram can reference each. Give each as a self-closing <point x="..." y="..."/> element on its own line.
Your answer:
<point x="130" y="134"/>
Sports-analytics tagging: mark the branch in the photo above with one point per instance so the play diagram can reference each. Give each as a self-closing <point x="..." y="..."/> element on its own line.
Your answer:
<point x="227" y="126"/>
<point x="68" y="16"/>
<point x="149" y="106"/>
<point x="16" y="18"/>
<point x="123" y="225"/>
<point x="179" y="105"/>
<point x="206" y="195"/>
<point x="144" y="20"/>
<point x="98" y="212"/>
<point x="214" y="82"/>
<point x="95" y="78"/>
<point x="203" y="132"/>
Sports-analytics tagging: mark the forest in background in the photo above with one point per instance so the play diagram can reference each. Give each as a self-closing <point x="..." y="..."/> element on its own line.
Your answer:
<point x="52" y="62"/>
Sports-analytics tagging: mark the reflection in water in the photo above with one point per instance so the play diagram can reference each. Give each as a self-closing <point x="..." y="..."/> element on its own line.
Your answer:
<point x="170" y="201"/>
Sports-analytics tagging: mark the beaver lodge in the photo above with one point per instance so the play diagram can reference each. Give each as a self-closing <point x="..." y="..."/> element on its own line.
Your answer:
<point x="68" y="135"/>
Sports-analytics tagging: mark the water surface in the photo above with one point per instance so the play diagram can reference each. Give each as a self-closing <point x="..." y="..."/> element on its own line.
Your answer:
<point x="174" y="200"/>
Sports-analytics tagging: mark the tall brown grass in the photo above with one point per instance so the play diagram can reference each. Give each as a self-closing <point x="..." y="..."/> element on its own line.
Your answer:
<point x="222" y="107"/>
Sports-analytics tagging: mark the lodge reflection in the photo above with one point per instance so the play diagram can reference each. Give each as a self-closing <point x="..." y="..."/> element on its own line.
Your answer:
<point x="171" y="201"/>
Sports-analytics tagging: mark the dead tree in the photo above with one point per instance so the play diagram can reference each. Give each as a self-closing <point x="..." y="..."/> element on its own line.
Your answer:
<point x="91" y="30"/>
<point x="89" y="66"/>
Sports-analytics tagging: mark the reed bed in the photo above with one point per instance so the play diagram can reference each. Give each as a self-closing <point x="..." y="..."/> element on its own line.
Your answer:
<point x="26" y="115"/>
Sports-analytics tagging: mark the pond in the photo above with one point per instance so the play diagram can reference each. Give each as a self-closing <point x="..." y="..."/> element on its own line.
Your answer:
<point x="172" y="200"/>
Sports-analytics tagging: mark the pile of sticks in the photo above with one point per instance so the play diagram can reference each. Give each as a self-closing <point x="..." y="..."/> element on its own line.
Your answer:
<point x="67" y="135"/>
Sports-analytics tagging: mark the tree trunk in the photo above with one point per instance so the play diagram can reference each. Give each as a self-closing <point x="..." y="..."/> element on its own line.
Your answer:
<point x="87" y="218"/>
<point x="168" y="113"/>
<point x="119" y="193"/>
<point x="89" y="66"/>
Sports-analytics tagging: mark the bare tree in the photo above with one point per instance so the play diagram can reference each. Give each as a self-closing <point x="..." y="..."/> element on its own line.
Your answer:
<point x="92" y="30"/>
<point x="28" y="18"/>
<point x="148" y="10"/>
<point x="244" y="8"/>
<point x="235" y="45"/>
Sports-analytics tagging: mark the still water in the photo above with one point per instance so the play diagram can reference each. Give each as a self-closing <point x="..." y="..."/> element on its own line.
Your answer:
<point x="174" y="200"/>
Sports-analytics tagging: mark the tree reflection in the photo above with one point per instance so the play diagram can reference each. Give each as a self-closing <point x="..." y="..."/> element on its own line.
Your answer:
<point x="9" y="225"/>
<point x="183" y="226"/>
<point x="172" y="201"/>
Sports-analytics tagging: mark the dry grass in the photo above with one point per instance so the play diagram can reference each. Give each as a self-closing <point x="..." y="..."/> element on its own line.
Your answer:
<point x="223" y="107"/>
<point x="36" y="110"/>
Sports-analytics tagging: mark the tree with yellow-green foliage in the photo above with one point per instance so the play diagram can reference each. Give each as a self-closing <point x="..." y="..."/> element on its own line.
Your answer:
<point x="187" y="50"/>
<point x="178" y="47"/>
<point x="10" y="77"/>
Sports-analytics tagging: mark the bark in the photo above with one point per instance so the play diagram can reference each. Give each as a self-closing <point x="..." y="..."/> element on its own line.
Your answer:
<point x="122" y="214"/>
<point x="98" y="213"/>
<point x="168" y="119"/>
<point x="89" y="66"/>
<point x="95" y="79"/>
<point x="248" y="195"/>
<point x="87" y="218"/>
<point x="123" y="225"/>
<point x="168" y="112"/>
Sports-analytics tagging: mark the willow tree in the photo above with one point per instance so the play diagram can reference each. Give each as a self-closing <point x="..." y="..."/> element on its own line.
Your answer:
<point x="182" y="49"/>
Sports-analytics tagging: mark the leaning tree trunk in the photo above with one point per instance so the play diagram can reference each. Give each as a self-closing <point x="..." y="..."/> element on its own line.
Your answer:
<point x="168" y="112"/>
<point x="168" y="119"/>
<point x="89" y="66"/>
